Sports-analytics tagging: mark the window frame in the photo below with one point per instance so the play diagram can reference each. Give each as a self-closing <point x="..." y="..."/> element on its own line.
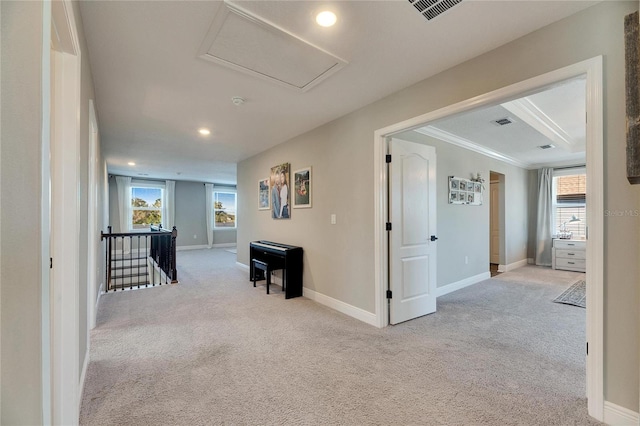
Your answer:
<point x="554" y="202"/>
<point x="224" y="190"/>
<point x="146" y="184"/>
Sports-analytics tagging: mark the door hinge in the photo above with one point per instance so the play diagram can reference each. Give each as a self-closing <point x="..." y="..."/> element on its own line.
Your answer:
<point x="389" y="294"/>
<point x="51" y="263"/>
<point x="388" y="227"/>
<point x="388" y="158"/>
<point x="587" y="348"/>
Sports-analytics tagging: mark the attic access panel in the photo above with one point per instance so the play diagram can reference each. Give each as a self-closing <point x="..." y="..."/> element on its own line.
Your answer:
<point x="254" y="46"/>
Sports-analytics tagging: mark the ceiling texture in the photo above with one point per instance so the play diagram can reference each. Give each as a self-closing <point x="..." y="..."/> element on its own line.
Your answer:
<point x="164" y="69"/>
<point x="544" y="129"/>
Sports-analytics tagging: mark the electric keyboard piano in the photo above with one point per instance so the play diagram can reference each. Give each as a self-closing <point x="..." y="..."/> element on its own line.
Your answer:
<point x="279" y="256"/>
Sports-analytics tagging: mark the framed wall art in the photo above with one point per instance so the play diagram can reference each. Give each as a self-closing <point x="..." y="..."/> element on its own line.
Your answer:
<point x="280" y="192"/>
<point x="465" y="191"/>
<point x="263" y="194"/>
<point x="302" y="188"/>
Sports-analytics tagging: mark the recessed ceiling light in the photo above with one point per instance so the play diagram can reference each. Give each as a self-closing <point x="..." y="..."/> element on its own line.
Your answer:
<point x="326" y="18"/>
<point x="204" y="132"/>
<point x="131" y="163"/>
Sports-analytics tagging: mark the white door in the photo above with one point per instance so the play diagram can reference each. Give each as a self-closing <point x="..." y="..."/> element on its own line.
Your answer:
<point x="494" y="241"/>
<point x="412" y="214"/>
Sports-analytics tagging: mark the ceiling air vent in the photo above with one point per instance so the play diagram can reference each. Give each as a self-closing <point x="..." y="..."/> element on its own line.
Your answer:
<point x="547" y="146"/>
<point x="503" y="121"/>
<point x="432" y="8"/>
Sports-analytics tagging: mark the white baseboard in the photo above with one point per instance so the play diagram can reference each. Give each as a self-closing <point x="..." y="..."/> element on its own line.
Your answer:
<point x="100" y="291"/>
<point x="616" y="415"/>
<point x="449" y="288"/>
<point x="512" y="266"/>
<point x="345" y="308"/>
<point x="83" y="376"/>
<point x="204" y="246"/>
<point x="182" y="248"/>
<point x="242" y="265"/>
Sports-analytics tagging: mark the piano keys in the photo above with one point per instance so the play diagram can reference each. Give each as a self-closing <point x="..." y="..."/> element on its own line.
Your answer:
<point x="280" y="256"/>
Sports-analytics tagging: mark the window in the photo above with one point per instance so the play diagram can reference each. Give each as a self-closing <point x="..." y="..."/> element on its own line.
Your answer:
<point x="146" y="204"/>
<point x="570" y="202"/>
<point x="224" y="209"/>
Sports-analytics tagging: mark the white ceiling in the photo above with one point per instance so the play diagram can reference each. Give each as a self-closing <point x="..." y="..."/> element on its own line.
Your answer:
<point x="153" y="91"/>
<point x="555" y="116"/>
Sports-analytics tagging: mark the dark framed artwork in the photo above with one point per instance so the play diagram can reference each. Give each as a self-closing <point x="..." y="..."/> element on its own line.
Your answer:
<point x="632" y="99"/>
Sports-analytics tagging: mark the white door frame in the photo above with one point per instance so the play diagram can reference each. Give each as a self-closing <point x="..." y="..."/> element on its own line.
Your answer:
<point x="92" y="221"/>
<point x="61" y="176"/>
<point x="592" y="68"/>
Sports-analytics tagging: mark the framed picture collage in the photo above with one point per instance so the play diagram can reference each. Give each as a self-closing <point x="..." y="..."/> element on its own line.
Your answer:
<point x="465" y="191"/>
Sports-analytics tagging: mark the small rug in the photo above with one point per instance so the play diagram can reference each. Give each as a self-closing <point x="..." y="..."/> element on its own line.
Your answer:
<point x="575" y="295"/>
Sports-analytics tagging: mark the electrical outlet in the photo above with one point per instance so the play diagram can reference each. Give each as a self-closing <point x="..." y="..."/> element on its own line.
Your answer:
<point x="333" y="219"/>
<point x="195" y="236"/>
<point x="466" y="260"/>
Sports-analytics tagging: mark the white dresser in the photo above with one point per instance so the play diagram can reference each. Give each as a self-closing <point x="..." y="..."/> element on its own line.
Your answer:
<point x="569" y="255"/>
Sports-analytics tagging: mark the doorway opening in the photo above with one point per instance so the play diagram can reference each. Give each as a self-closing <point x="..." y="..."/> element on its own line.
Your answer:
<point x="591" y="71"/>
<point x="496" y="222"/>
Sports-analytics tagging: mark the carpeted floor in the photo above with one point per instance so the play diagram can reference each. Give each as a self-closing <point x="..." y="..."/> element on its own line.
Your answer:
<point x="215" y="350"/>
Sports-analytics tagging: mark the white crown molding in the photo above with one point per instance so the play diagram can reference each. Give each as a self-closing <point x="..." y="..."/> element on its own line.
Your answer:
<point x="528" y="112"/>
<point x="562" y="164"/>
<point x="434" y="132"/>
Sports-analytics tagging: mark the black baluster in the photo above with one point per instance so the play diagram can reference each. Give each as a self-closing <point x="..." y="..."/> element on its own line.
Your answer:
<point x="138" y="261"/>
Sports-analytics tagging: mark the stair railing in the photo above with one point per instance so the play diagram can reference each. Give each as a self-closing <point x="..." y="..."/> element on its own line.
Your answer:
<point x="140" y="259"/>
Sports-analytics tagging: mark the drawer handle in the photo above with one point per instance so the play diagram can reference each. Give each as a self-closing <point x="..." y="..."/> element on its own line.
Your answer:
<point x="571" y="263"/>
<point x="571" y="254"/>
<point x="570" y="244"/>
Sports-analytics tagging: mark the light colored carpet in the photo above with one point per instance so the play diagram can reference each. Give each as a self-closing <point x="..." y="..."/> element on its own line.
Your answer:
<point x="215" y="350"/>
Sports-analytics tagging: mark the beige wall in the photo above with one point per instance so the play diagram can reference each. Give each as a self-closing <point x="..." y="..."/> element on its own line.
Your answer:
<point x="339" y="258"/>
<point x="21" y="304"/>
<point x="20" y="229"/>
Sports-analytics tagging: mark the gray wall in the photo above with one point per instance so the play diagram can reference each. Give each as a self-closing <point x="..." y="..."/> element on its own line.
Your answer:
<point x="463" y="230"/>
<point x="190" y="215"/>
<point x="339" y="258"/>
<point x="191" y="219"/>
<point x="20" y="230"/>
